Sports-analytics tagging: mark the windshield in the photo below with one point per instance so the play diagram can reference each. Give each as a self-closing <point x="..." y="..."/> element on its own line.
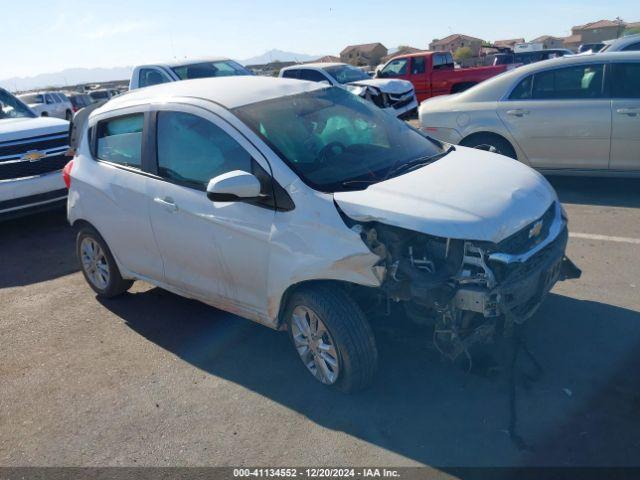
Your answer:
<point x="223" y="68"/>
<point x="335" y="140"/>
<point x="346" y="73"/>
<point x="11" y="107"/>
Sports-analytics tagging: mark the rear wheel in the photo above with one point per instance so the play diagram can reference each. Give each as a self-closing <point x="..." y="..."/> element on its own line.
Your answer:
<point x="332" y="337"/>
<point x="491" y="143"/>
<point x="98" y="265"/>
<point x="68" y="115"/>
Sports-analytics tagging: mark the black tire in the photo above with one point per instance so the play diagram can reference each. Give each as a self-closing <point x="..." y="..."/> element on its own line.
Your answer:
<point x="68" y="115"/>
<point x="115" y="285"/>
<point x="490" y="142"/>
<point x="44" y="114"/>
<point x="349" y="330"/>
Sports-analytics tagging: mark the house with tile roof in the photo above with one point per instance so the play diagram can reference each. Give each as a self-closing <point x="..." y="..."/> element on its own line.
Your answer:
<point x="594" y="32"/>
<point x="455" y="41"/>
<point x="366" y="54"/>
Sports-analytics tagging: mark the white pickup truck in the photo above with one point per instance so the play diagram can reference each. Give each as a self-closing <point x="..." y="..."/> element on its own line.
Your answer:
<point x="32" y="153"/>
<point x="157" y="73"/>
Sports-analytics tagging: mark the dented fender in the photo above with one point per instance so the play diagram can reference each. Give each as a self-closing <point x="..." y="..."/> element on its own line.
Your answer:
<point x="315" y="244"/>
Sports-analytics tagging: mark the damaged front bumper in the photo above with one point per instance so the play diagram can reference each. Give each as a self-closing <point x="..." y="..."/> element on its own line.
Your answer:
<point x="521" y="280"/>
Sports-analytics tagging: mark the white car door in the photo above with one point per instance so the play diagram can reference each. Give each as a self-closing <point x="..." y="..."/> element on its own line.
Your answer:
<point x="625" y="106"/>
<point x="560" y="118"/>
<point x="217" y="251"/>
<point x="120" y="212"/>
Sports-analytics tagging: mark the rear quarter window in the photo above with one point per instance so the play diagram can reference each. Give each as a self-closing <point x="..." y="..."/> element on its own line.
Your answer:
<point x="119" y="140"/>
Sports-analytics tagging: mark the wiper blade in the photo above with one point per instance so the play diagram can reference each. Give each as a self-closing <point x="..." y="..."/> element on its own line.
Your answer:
<point x="355" y="182"/>
<point x="419" y="162"/>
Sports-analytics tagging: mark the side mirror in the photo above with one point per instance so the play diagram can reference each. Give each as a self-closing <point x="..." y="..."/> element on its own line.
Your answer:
<point x="233" y="186"/>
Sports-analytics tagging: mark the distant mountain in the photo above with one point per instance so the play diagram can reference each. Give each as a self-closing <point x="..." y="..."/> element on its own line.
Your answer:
<point x="70" y="76"/>
<point x="273" y="55"/>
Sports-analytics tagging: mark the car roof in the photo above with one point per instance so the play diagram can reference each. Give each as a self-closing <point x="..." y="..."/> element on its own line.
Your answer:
<point x="623" y="41"/>
<point x="180" y="63"/>
<point x="577" y="60"/>
<point x="495" y="87"/>
<point x="320" y="65"/>
<point x="230" y="92"/>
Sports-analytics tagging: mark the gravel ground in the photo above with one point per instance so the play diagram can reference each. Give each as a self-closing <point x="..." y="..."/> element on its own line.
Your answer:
<point x="154" y="379"/>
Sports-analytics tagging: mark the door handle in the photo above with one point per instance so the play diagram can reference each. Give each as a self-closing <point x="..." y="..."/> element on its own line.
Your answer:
<point x="518" y="112"/>
<point x="632" y="112"/>
<point x="167" y="203"/>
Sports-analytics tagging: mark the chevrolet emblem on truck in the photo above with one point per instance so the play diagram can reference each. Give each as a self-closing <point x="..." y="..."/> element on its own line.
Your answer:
<point x="33" y="156"/>
<point x="536" y="229"/>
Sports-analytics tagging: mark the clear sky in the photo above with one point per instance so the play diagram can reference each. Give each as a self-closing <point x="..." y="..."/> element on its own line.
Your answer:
<point x="50" y="35"/>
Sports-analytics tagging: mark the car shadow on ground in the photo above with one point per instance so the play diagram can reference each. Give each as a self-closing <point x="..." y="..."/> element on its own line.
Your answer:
<point x="583" y="411"/>
<point x="607" y="192"/>
<point x="36" y="248"/>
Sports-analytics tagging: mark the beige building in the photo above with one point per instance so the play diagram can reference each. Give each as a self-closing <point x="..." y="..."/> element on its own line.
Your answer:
<point x="456" y="41"/>
<point x="549" y="41"/>
<point x="594" y="32"/>
<point x="368" y="54"/>
<point x="405" y="50"/>
<point x="511" y="43"/>
<point x="327" y="59"/>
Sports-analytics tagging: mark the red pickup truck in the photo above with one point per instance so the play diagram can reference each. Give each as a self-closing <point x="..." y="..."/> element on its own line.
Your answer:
<point x="434" y="73"/>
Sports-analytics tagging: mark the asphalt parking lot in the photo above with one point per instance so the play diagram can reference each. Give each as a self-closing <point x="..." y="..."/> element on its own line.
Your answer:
<point x="154" y="379"/>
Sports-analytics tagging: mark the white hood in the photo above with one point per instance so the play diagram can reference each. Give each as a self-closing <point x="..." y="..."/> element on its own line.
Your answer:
<point x="469" y="194"/>
<point x="393" y="86"/>
<point x="24" y="127"/>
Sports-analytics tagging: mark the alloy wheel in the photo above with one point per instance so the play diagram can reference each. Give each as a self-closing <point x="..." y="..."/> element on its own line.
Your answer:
<point x="315" y="345"/>
<point x="94" y="263"/>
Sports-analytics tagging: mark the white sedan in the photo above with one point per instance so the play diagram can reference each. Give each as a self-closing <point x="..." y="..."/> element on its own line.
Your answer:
<point x="396" y="96"/>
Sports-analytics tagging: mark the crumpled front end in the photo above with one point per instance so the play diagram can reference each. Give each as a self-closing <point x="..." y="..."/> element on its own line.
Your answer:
<point x="397" y="102"/>
<point x="470" y="290"/>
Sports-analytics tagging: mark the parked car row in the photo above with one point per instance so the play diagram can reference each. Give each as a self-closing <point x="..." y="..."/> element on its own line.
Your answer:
<point x="63" y="104"/>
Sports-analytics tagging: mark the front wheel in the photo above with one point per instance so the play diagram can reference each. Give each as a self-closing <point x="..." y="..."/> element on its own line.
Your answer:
<point x="332" y="337"/>
<point x="68" y="115"/>
<point x="98" y="265"/>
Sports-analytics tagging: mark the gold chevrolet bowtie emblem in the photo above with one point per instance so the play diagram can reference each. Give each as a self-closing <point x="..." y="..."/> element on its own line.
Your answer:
<point x="536" y="229"/>
<point x="33" y="156"/>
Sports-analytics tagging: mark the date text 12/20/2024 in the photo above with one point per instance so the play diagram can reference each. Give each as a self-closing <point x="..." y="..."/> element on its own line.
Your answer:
<point x="315" y="472"/>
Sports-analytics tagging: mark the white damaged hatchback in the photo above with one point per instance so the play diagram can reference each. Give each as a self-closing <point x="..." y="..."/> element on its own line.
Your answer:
<point x="296" y="205"/>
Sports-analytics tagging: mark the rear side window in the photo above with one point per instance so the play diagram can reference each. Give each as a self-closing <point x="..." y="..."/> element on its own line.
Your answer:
<point x="417" y="65"/>
<point x="522" y="90"/>
<point x="151" y="76"/>
<point x="583" y="81"/>
<point x="626" y="80"/>
<point x="192" y="150"/>
<point x="119" y="140"/>
<point x="290" y="73"/>
<point x="312" y="76"/>
<point x="634" y="47"/>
